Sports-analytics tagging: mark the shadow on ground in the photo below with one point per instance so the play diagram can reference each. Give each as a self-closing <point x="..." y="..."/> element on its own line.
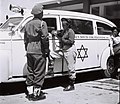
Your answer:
<point x="20" y="87"/>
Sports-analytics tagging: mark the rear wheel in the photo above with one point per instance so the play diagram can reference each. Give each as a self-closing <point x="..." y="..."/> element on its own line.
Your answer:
<point x="111" y="70"/>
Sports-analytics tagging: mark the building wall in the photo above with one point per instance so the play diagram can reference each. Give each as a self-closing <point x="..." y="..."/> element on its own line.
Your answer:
<point x="109" y="10"/>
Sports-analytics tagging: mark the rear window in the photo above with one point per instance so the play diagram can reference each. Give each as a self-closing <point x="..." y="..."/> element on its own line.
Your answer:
<point x="103" y="29"/>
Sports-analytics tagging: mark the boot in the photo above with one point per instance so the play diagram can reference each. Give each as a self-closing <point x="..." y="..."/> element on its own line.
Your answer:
<point x="29" y="93"/>
<point x="36" y="91"/>
<point x="70" y="86"/>
<point x="30" y="89"/>
<point x="38" y="94"/>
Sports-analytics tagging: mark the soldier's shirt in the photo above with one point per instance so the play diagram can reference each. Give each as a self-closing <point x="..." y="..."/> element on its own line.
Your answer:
<point x="32" y="36"/>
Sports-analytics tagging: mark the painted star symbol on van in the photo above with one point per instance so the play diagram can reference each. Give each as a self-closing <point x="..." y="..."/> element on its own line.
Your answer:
<point x="82" y="53"/>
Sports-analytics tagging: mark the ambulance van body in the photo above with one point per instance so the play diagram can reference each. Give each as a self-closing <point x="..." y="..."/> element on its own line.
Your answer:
<point x="92" y="40"/>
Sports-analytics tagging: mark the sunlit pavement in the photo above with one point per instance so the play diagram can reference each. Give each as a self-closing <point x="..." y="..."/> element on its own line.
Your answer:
<point x="103" y="91"/>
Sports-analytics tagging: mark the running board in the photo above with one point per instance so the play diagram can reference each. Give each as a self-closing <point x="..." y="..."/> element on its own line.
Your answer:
<point x="77" y="71"/>
<point x="11" y="80"/>
<point x="21" y="79"/>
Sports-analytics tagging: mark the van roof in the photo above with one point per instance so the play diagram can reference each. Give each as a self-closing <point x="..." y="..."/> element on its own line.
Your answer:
<point x="68" y="13"/>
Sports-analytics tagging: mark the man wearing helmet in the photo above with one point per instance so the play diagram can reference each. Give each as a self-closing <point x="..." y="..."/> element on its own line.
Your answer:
<point x="35" y="30"/>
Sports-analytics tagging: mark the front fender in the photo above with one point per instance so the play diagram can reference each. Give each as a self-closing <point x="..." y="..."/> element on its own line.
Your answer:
<point x="4" y="65"/>
<point x="104" y="57"/>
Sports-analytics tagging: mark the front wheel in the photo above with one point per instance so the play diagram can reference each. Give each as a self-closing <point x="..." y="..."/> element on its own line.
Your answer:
<point x="111" y="70"/>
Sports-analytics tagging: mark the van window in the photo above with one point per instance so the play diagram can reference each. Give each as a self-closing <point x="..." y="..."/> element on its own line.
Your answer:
<point x="13" y="20"/>
<point x="103" y="29"/>
<point x="51" y="23"/>
<point x="82" y="26"/>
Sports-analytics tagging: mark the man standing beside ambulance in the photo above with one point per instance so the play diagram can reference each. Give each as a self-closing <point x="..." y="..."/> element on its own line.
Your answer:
<point x="67" y="46"/>
<point x="115" y="50"/>
<point x="35" y="31"/>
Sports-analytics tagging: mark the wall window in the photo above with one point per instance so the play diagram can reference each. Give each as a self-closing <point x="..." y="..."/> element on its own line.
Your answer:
<point x="112" y="11"/>
<point x="103" y="29"/>
<point x="95" y="10"/>
<point x="82" y="26"/>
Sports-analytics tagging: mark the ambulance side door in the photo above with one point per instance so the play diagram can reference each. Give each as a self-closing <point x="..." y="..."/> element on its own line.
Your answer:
<point x="52" y="24"/>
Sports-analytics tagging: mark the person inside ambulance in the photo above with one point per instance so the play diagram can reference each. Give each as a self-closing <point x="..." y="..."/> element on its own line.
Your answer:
<point x="66" y="40"/>
<point x="115" y="48"/>
<point x="34" y="33"/>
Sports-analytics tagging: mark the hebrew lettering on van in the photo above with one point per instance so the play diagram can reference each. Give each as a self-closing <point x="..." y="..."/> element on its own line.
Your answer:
<point x="82" y="53"/>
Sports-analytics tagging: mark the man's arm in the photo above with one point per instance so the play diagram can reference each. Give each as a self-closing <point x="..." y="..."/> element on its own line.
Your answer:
<point x="25" y="40"/>
<point x="44" y="29"/>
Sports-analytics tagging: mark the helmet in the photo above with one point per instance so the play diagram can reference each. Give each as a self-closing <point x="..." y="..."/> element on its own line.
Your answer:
<point x="37" y="9"/>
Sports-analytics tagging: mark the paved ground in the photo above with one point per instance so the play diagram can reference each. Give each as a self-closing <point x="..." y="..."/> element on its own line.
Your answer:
<point x="103" y="91"/>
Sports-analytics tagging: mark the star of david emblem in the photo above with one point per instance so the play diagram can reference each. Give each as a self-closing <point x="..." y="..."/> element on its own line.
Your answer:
<point x="82" y="53"/>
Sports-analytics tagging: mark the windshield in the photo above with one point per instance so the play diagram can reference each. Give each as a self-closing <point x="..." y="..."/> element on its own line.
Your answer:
<point x="13" y="20"/>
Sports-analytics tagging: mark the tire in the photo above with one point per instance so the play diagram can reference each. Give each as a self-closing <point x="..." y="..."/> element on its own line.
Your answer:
<point x="111" y="70"/>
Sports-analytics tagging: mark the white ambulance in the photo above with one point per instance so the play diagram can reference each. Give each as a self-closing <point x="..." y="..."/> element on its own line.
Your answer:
<point x="92" y="40"/>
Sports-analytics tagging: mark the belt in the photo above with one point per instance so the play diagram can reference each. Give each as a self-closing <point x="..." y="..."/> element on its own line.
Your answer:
<point x="34" y="39"/>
